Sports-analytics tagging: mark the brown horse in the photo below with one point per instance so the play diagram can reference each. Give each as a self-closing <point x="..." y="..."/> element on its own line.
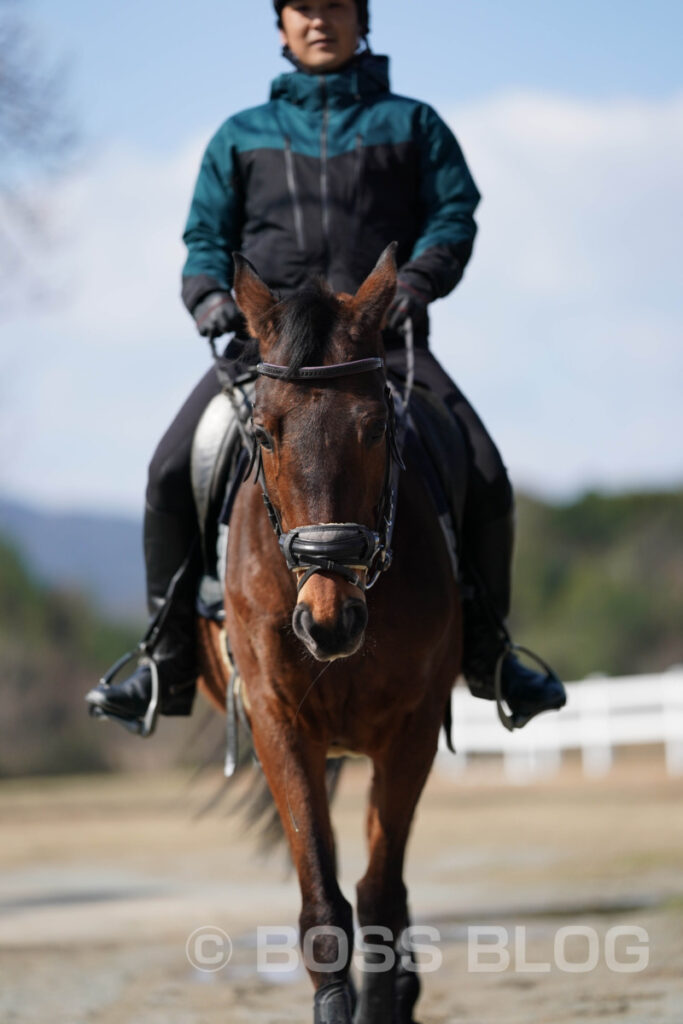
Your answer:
<point x="327" y="664"/>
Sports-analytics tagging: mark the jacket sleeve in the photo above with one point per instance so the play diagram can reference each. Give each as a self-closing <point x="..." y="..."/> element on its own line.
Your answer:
<point x="448" y="198"/>
<point x="214" y="224"/>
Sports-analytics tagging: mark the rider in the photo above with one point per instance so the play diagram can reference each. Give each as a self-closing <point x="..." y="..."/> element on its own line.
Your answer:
<point x="333" y="155"/>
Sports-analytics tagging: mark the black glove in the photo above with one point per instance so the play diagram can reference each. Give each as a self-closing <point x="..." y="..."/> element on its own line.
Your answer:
<point x="217" y="314"/>
<point x="408" y="303"/>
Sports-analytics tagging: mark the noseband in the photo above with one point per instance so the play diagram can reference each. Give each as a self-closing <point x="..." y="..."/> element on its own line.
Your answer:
<point x="346" y="549"/>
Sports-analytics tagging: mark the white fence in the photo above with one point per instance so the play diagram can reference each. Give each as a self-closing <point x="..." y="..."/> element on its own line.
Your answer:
<point x="600" y="715"/>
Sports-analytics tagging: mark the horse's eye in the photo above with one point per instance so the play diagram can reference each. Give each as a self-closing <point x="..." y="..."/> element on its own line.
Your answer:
<point x="263" y="438"/>
<point x="375" y="432"/>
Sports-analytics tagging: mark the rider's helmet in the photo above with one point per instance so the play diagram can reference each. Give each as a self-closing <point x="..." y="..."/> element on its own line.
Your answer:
<point x="363" y="14"/>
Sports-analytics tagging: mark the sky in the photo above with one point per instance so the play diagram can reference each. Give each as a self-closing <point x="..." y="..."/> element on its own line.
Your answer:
<point x="566" y="332"/>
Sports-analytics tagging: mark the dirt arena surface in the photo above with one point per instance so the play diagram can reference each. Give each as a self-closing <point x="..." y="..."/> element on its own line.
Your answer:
<point x="104" y="879"/>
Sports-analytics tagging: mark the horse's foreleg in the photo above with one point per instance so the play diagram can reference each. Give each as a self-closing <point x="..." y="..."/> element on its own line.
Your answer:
<point x="295" y="770"/>
<point x="390" y="988"/>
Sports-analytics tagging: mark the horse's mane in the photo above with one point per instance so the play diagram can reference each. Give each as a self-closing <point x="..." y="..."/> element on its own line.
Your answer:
<point x="305" y="325"/>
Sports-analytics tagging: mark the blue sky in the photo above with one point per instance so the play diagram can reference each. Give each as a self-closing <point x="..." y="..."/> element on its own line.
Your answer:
<point x="566" y="332"/>
<point x="153" y="71"/>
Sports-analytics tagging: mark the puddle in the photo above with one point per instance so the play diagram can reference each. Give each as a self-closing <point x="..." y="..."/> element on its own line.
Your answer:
<point x="453" y="927"/>
<point x="77" y="898"/>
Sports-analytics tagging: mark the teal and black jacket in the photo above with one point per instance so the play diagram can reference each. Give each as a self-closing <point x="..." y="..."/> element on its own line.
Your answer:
<point x="321" y="178"/>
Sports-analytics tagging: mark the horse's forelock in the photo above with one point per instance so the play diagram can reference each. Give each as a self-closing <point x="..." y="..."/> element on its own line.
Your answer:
<point x="305" y="326"/>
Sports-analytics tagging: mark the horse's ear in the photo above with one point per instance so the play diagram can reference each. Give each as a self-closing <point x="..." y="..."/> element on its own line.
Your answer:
<point x="253" y="295"/>
<point x="373" y="298"/>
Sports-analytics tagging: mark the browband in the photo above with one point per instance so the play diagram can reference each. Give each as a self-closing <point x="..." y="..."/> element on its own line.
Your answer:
<point x="320" y="372"/>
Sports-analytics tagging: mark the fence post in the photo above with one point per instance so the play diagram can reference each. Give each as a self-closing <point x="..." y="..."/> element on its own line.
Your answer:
<point x="594" y="727"/>
<point x="603" y="714"/>
<point x="672" y="705"/>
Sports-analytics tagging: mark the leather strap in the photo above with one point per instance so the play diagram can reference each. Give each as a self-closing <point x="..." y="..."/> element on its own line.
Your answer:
<point x="320" y="372"/>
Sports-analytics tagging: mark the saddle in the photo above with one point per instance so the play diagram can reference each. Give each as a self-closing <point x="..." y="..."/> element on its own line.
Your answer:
<point x="220" y="456"/>
<point x="221" y="452"/>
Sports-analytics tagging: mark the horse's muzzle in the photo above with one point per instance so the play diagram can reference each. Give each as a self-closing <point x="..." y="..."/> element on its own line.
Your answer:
<point x="339" y="640"/>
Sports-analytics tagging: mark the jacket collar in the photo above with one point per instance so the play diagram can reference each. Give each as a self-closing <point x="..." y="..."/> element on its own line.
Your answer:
<point x="366" y="75"/>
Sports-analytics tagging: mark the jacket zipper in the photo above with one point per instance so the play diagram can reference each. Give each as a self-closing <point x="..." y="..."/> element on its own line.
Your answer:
<point x="293" y="194"/>
<point x="360" y="164"/>
<point x="324" y="182"/>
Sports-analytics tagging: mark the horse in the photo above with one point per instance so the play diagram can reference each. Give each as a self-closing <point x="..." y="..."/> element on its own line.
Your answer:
<point x="330" y="663"/>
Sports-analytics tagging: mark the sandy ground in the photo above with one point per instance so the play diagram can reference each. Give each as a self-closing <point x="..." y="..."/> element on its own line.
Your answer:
<point x="103" y="880"/>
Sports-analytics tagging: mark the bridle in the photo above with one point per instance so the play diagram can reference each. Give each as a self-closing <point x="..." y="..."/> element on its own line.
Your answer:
<point x="345" y="549"/>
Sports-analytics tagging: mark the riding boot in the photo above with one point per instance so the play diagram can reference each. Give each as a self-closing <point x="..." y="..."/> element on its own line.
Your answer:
<point x="172" y="574"/>
<point x="488" y="565"/>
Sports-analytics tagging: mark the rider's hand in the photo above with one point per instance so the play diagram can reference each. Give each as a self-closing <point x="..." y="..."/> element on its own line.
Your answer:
<point x="409" y="304"/>
<point x="217" y="314"/>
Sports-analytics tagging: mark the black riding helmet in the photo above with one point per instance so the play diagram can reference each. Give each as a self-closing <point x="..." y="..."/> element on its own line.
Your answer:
<point x="363" y="14"/>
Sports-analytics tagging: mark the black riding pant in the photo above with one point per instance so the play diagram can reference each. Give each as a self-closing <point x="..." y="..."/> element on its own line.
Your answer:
<point x="489" y="495"/>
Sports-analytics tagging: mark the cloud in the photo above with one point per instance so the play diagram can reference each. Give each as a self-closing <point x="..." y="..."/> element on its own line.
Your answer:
<point x="121" y="221"/>
<point x="567" y="329"/>
<point x="577" y="195"/>
<point x="566" y="332"/>
<point x="100" y="365"/>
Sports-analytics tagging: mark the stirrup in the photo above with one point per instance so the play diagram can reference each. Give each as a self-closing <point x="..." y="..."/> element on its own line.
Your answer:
<point x="145" y="726"/>
<point x="515" y="720"/>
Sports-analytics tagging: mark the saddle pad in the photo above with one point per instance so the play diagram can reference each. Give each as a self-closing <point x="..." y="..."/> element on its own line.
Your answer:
<point x="215" y="464"/>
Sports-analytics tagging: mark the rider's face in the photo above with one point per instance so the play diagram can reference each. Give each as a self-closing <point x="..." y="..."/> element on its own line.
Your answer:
<point x="323" y="34"/>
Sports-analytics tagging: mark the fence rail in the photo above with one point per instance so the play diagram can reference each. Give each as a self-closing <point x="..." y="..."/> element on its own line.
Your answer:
<point x="601" y="715"/>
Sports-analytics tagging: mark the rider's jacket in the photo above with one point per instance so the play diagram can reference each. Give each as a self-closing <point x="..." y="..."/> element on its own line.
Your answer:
<point x="321" y="178"/>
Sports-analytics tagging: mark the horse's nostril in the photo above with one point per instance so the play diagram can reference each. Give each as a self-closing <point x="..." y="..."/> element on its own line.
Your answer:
<point x="354" y="617"/>
<point x="302" y="620"/>
<point x="337" y="640"/>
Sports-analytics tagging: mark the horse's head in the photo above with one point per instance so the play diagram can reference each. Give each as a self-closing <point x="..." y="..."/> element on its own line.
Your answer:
<point x="323" y="422"/>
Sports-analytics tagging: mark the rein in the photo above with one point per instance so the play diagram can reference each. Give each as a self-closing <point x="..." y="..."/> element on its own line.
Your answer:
<point x="345" y="549"/>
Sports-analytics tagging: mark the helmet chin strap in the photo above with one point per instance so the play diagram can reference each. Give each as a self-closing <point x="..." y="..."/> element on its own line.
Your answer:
<point x="288" y="55"/>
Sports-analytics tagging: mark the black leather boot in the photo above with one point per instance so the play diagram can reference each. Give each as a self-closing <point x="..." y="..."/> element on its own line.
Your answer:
<point x="172" y="563"/>
<point x="486" y="639"/>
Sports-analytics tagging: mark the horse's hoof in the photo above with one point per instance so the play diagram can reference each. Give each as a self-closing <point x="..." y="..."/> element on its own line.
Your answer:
<point x="332" y="1004"/>
<point x="406" y="994"/>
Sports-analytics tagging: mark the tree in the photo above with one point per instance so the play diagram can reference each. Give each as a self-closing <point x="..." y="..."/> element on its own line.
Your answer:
<point x="37" y="142"/>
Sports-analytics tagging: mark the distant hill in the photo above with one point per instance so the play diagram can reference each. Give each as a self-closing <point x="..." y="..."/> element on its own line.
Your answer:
<point x="598" y="587"/>
<point x="99" y="556"/>
<point x="599" y="582"/>
<point x="53" y="648"/>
